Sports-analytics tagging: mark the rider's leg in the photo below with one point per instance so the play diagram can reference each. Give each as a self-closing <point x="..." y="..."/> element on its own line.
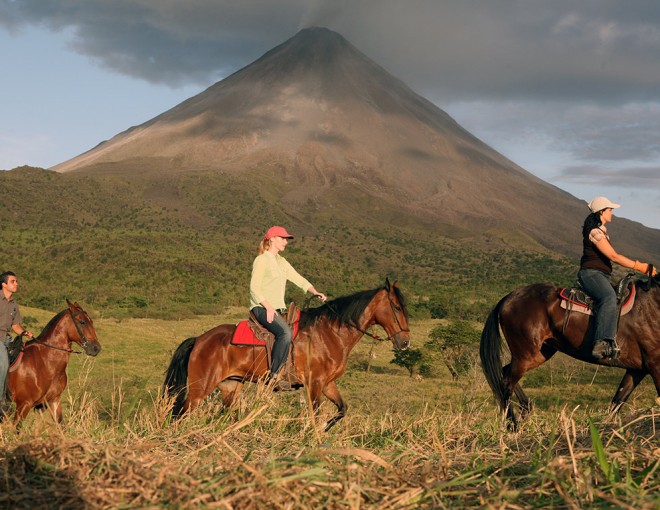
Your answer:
<point x="4" y="369"/>
<point x="598" y="286"/>
<point x="283" y="338"/>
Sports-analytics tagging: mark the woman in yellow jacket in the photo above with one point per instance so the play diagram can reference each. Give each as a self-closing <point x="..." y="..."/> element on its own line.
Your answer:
<point x="270" y="272"/>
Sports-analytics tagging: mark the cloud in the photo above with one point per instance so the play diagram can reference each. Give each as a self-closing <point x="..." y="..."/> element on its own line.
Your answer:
<point x="645" y="178"/>
<point x="628" y="132"/>
<point x="603" y="51"/>
<point x="581" y="131"/>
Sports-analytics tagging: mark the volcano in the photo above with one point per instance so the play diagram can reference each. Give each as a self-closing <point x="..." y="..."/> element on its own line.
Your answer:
<point x="341" y="132"/>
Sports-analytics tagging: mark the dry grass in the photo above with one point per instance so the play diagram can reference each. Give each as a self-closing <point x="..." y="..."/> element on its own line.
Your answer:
<point x="267" y="453"/>
<point x="404" y="444"/>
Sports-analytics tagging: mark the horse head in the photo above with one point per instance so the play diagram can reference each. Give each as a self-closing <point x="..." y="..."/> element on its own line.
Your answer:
<point x="83" y="333"/>
<point x="392" y="315"/>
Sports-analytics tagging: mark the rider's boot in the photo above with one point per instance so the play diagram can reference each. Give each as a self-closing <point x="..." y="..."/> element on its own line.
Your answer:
<point x="605" y="348"/>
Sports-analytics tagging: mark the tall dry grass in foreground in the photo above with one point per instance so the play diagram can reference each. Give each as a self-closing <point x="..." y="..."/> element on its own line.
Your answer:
<point x="405" y="443"/>
<point x="267" y="453"/>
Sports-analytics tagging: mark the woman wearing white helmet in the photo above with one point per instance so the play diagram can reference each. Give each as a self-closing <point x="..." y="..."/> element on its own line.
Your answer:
<point x="595" y="271"/>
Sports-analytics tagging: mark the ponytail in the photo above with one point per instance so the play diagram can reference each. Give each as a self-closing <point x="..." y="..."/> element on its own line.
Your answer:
<point x="591" y="222"/>
<point x="264" y="245"/>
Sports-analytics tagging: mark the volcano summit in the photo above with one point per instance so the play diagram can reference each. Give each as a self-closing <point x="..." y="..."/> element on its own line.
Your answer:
<point x="337" y="130"/>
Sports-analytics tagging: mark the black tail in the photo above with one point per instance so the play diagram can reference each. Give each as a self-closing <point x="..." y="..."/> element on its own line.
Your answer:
<point x="176" y="379"/>
<point x="490" y="352"/>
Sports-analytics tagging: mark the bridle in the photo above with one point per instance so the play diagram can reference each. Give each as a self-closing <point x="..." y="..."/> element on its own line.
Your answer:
<point x="84" y="341"/>
<point x="394" y="309"/>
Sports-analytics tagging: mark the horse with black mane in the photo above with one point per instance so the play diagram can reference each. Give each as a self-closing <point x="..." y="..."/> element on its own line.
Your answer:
<point x="535" y="327"/>
<point x="320" y="351"/>
<point x="39" y="378"/>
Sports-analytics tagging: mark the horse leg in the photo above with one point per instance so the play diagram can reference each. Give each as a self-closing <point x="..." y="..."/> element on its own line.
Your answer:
<point x="629" y="382"/>
<point x="547" y="352"/>
<point x="654" y="369"/>
<point x="196" y="394"/>
<point x="508" y="391"/>
<point x="512" y="373"/>
<point x="54" y="406"/>
<point x="22" y="410"/>
<point x="206" y="367"/>
<point x="332" y="393"/>
<point x="230" y="390"/>
<point x="523" y="399"/>
<point x="314" y="391"/>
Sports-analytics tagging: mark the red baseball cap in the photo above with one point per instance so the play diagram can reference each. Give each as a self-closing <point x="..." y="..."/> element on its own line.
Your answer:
<point x="277" y="231"/>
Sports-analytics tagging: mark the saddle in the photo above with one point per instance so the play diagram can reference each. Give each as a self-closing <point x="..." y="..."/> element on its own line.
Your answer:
<point x="15" y="352"/>
<point x="251" y="333"/>
<point x="575" y="299"/>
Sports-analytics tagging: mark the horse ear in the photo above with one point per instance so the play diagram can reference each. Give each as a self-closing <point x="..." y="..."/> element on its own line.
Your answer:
<point x="387" y="282"/>
<point x="68" y="303"/>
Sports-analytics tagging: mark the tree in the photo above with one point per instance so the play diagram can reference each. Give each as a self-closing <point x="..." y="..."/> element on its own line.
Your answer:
<point x="409" y="359"/>
<point x="457" y="344"/>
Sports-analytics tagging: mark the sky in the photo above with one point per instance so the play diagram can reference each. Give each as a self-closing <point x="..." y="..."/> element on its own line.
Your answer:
<point x="568" y="90"/>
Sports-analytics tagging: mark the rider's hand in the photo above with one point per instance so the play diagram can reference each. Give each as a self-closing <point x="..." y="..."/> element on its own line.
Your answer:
<point x="643" y="267"/>
<point x="321" y="296"/>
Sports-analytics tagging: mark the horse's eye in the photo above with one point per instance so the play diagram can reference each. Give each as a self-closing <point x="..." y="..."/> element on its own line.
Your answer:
<point x="82" y="323"/>
<point x="397" y="308"/>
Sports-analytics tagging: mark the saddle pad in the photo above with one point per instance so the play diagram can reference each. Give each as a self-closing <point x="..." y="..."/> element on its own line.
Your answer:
<point x="578" y="306"/>
<point x="243" y="335"/>
<point x="16" y="362"/>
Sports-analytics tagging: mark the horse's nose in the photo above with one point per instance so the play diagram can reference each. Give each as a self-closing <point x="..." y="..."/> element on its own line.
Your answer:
<point x="92" y="348"/>
<point x="403" y="342"/>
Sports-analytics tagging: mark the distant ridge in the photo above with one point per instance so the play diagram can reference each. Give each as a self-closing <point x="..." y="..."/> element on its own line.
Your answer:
<point x="336" y="130"/>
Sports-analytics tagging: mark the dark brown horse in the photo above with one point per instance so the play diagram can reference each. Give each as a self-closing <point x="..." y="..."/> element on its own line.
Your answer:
<point x="40" y="378"/>
<point x="320" y="351"/>
<point x="534" y="328"/>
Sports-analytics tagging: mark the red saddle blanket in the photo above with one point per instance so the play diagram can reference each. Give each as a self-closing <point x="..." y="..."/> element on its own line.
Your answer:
<point x="568" y="301"/>
<point x="244" y="335"/>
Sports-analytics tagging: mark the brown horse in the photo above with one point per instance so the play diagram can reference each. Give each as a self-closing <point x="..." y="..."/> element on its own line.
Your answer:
<point x="534" y="327"/>
<point x="40" y="378"/>
<point x="320" y="351"/>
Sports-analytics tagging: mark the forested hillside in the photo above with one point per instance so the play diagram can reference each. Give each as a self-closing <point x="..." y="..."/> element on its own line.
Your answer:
<point x="183" y="244"/>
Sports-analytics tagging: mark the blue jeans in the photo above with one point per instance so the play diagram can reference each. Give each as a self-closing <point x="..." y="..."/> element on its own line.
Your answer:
<point x="283" y="337"/>
<point x="597" y="285"/>
<point x="4" y="369"/>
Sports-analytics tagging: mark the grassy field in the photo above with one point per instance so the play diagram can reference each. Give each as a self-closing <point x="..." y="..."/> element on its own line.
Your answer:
<point x="406" y="442"/>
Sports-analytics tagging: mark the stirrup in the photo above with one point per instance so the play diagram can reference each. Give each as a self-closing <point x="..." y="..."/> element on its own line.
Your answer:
<point x="605" y="348"/>
<point x="614" y="349"/>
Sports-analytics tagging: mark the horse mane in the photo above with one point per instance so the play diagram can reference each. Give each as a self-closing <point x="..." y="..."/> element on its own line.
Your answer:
<point x="51" y="323"/>
<point x="346" y="310"/>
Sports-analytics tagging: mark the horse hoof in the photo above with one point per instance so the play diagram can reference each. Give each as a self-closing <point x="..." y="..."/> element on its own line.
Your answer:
<point x="283" y="386"/>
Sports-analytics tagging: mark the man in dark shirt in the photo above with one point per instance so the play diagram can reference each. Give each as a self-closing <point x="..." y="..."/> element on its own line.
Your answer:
<point x="10" y="318"/>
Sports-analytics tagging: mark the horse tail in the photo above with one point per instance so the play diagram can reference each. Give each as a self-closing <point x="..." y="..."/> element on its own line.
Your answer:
<point x="176" y="378"/>
<point x="490" y="352"/>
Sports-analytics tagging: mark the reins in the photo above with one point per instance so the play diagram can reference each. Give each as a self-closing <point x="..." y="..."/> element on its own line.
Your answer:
<point x="83" y="339"/>
<point x="39" y="342"/>
<point x="369" y="333"/>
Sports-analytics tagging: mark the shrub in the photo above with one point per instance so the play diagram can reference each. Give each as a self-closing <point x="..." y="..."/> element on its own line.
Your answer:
<point x="457" y="344"/>
<point x="410" y="359"/>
